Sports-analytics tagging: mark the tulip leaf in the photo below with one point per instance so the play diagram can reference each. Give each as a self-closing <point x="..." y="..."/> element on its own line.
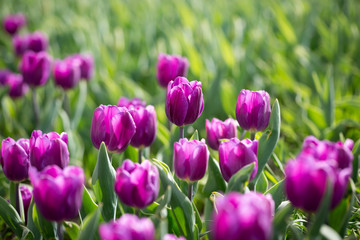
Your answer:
<point x="215" y="181"/>
<point x="88" y="204"/>
<point x="13" y="220"/>
<point x="240" y="179"/>
<point x="80" y="104"/>
<point x="72" y="230"/>
<point x="103" y="179"/>
<point x="30" y="221"/>
<point x="277" y="193"/>
<point x="195" y="136"/>
<point x="281" y="219"/>
<point x="90" y="226"/>
<point x="356" y="153"/>
<point x="47" y="228"/>
<point x="329" y="233"/>
<point x="261" y="184"/>
<point x="198" y="221"/>
<point x="165" y="200"/>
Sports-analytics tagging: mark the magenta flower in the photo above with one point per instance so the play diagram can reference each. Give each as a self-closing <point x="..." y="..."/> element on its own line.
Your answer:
<point x="169" y="67"/>
<point x="20" y="44"/>
<point x="17" y="87"/>
<point x="184" y="101"/>
<point x="86" y="63"/>
<point x="58" y="192"/>
<point x="66" y="73"/>
<point x="26" y="196"/>
<point x="3" y="75"/>
<point x="114" y="126"/>
<point x="172" y="237"/>
<point x="137" y="185"/>
<point x="37" y="42"/>
<point x="12" y="23"/>
<point x="217" y="130"/>
<point x="135" y="102"/>
<point x="253" y="110"/>
<point x="35" y="68"/>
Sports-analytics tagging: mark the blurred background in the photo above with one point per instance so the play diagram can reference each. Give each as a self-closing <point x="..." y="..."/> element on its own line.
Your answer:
<point x="306" y="53"/>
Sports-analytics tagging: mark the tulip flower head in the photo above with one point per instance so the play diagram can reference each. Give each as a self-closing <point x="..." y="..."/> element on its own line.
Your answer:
<point x="217" y="130"/>
<point x="35" y="68"/>
<point x="66" y="73"/>
<point x="37" y="42"/>
<point x="86" y="63"/>
<point x="172" y="237"/>
<point x="3" y="75"/>
<point x="169" y="67"/>
<point x="26" y="196"/>
<point x="135" y="102"/>
<point x="17" y="87"/>
<point x="12" y="23"/>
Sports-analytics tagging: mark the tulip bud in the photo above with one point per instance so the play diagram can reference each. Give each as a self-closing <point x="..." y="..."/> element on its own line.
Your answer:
<point x="184" y="101"/>
<point x="145" y="121"/>
<point x="17" y="87"/>
<point x="66" y="73"/>
<point x="243" y="216"/>
<point x="253" y="110"/>
<point x="26" y="196"/>
<point x="217" y="130"/>
<point x="135" y="102"/>
<point x="128" y="227"/>
<point x="86" y="63"/>
<point x="169" y="67"/>
<point x="235" y="154"/>
<point x="37" y="42"/>
<point x="14" y="159"/>
<point x="35" y="68"/>
<point x="190" y="159"/>
<point x="48" y="149"/>
<point x="114" y="126"/>
<point x="58" y="192"/>
<point x="13" y="23"/>
<point x="137" y="185"/>
<point x="172" y="237"/>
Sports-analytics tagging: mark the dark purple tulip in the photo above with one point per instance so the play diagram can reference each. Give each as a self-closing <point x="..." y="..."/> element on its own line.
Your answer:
<point x="217" y="130"/>
<point x="114" y="126"/>
<point x="58" y="192"/>
<point x="137" y="185"/>
<point x="243" y="216"/>
<point x="169" y="67"/>
<point x="66" y="73"/>
<point x="37" y="42"/>
<point x="13" y="23"/>
<point x="235" y="154"/>
<point x="48" y="149"/>
<point x="173" y="237"/>
<point x="17" y="87"/>
<point x="35" y="68"/>
<point x="86" y="63"/>
<point x="26" y="196"/>
<point x="3" y="75"/>
<point x="20" y="44"/>
<point x="253" y="110"/>
<point x="135" y="102"/>
<point x="190" y="159"/>
<point x="145" y="121"/>
<point x="15" y="159"/>
<point x="128" y="227"/>
<point x="184" y="101"/>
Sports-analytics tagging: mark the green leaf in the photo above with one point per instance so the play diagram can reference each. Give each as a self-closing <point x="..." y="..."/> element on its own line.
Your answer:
<point x="72" y="230"/>
<point x="80" y="104"/>
<point x="269" y="139"/>
<point x="356" y="153"/>
<point x="165" y="200"/>
<point x="329" y="233"/>
<point x="30" y="221"/>
<point x="215" y="181"/>
<point x="195" y="136"/>
<point x="90" y="226"/>
<point x="277" y="193"/>
<point x="240" y="179"/>
<point x="88" y="204"/>
<point x="47" y="228"/>
<point x="261" y="184"/>
<point x="197" y="218"/>
<point x="281" y="219"/>
<point x="103" y="179"/>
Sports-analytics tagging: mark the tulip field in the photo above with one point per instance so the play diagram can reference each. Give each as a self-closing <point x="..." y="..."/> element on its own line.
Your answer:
<point x="174" y="120"/>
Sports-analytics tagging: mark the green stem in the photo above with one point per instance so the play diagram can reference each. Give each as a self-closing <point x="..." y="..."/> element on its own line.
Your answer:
<point x="252" y="136"/>
<point x="140" y="155"/>
<point x="35" y="107"/>
<point x="242" y="135"/>
<point x="181" y="132"/>
<point x="60" y="231"/>
<point x="137" y="212"/>
<point x="14" y="196"/>
<point x="66" y="104"/>
<point x="190" y="191"/>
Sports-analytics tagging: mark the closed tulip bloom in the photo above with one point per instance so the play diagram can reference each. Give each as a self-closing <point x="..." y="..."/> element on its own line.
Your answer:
<point x="14" y="159"/>
<point x="48" y="149"/>
<point x="253" y="110"/>
<point x="58" y="192"/>
<point x="135" y="102"/>
<point x="3" y="75"/>
<point x="137" y="185"/>
<point x="184" y="101"/>
<point x="35" y="68"/>
<point x="243" y="216"/>
<point x="13" y="23"/>
<point x="26" y="196"/>
<point x="145" y="121"/>
<point x="86" y="63"/>
<point x="190" y="159"/>
<point x="114" y="126"/>
<point x="235" y="154"/>
<point x="20" y="44"/>
<point x="17" y="87"/>
<point x="217" y="130"/>
<point x="66" y="74"/>
<point x="169" y="67"/>
<point x="128" y="227"/>
<point x="172" y="237"/>
<point x="37" y="42"/>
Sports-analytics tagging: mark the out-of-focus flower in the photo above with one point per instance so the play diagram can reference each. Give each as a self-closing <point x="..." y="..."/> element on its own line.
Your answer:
<point x="26" y="196"/>
<point x="48" y="149"/>
<point x="190" y="159"/>
<point x="128" y="227"/>
<point x="14" y="158"/>
<point x="169" y="67"/>
<point x="173" y="237"/>
<point x="3" y="75"/>
<point x="58" y="192"/>
<point x="137" y="185"/>
<point x="184" y="101"/>
<point x="135" y="102"/>
<point x="35" y="68"/>
<point x="86" y="63"/>
<point x="37" y="42"/>
<point x="217" y="130"/>
<point x="235" y="154"/>
<point x="114" y="126"/>
<point x="20" y="44"/>
<point x="243" y="216"/>
<point x="12" y="23"/>
<point x="17" y="87"/>
<point x="253" y="110"/>
<point x="66" y="73"/>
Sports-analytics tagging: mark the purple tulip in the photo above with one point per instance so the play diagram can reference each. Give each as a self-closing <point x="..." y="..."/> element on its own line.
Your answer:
<point x="13" y="23"/>
<point x="235" y="154"/>
<point x="26" y="196"/>
<point x="145" y="121"/>
<point x="48" y="149"/>
<point x="20" y="44"/>
<point x="35" y="68"/>
<point x="37" y="42"/>
<point x="319" y="162"/>
<point x="135" y="102"/>
<point x="114" y="126"/>
<point x="58" y="192"/>
<point x="86" y="63"/>
<point x="66" y="73"/>
<point x="128" y="227"/>
<point x="137" y="185"/>
<point x="17" y="87"/>
<point x="184" y="101"/>
<point x="169" y="67"/>
<point x="173" y="237"/>
<point x="190" y="159"/>
<point x="3" y="75"/>
<point x="253" y="110"/>
<point x="243" y="216"/>
<point x="14" y="159"/>
<point x="217" y="130"/>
